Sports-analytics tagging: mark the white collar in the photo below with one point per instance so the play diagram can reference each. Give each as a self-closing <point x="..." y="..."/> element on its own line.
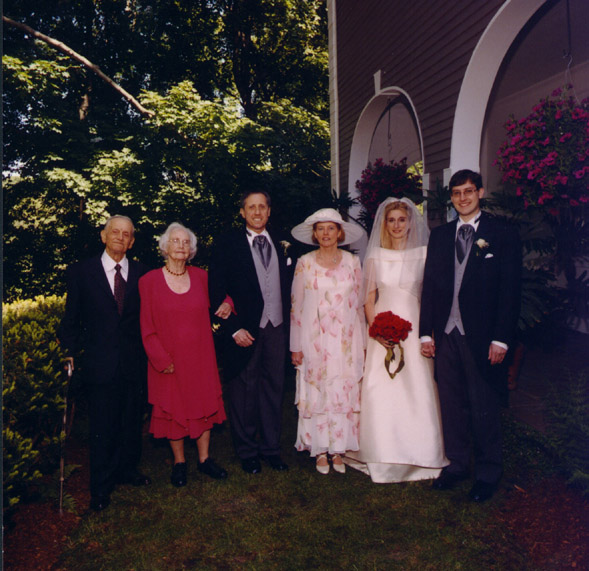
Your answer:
<point x="109" y="264"/>
<point x="472" y="222"/>
<point x="251" y="235"/>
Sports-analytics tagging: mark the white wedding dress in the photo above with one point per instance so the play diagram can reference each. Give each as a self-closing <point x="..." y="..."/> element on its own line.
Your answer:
<point x="400" y="425"/>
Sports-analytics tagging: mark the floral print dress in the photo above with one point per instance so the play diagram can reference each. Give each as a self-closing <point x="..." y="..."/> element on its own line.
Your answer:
<point x="327" y="325"/>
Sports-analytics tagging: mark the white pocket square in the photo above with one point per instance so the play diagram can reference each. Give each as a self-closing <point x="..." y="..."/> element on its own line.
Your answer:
<point x="488" y="256"/>
<point x="289" y="261"/>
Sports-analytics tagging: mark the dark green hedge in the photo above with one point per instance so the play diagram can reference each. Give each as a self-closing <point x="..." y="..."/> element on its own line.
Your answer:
<point x="33" y="390"/>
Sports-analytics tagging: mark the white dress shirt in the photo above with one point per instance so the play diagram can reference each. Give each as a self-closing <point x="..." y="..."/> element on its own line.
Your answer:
<point x="109" y="269"/>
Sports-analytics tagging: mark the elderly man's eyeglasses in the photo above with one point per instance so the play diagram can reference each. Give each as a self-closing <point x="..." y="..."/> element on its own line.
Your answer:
<point x="177" y="242"/>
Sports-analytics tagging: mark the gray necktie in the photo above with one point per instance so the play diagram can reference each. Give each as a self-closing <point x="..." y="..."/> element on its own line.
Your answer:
<point x="463" y="241"/>
<point x="262" y="245"/>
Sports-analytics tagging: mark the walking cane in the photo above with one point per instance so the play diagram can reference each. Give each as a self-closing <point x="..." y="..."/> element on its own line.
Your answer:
<point x="70" y="371"/>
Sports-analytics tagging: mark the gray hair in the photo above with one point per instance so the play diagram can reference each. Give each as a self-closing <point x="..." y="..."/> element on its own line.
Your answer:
<point x="165" y="238"/>
<point x="120" y="217"/>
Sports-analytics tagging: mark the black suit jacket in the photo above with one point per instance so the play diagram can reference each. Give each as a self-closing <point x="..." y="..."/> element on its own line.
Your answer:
<point x="233" y="272"/>
<point x="489" y="296"/>
<point x="92" y="323"/>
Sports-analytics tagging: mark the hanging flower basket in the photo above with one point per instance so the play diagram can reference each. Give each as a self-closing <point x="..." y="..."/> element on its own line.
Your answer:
<point x="546" y="154"/>
<point x="379" y="181"/>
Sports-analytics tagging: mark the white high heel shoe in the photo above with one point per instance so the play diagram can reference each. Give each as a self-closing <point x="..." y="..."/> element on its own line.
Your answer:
<point x="322" y="468"/>
<point x="339" y="467"/>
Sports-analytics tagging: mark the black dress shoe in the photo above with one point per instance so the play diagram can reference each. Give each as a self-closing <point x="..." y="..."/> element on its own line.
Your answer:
<point x="134" y="478"/>
<point x="99" y="503"/>
<point x="178" y="477"/>
<point x="447" y="480"/>
<point x="211" y="469"/>
<point x="482" y="491"/>
<point x="275" y="462"/>
<point x="251" y="466"/>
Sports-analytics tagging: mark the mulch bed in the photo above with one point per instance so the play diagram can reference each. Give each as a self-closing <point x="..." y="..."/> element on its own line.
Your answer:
<point x="551" y="523"/>
<point x="35" y="534"/>
<point x="548" y="520"/>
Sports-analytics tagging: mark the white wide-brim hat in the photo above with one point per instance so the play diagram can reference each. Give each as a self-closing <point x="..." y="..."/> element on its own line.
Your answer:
<point x="303" y="232"/>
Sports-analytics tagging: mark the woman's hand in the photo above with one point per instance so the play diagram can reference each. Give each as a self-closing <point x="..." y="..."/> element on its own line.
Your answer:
<point x="224" y="310"/>
<point x="386" y="343"/>
<point x="296" y="358"/>
<point x="168" y="370"/>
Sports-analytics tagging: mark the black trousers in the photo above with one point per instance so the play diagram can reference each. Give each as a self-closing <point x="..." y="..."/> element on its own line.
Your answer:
<point x="115" y="432"/>
<point x="471" y="411"/>
<point x="255" y="396"/>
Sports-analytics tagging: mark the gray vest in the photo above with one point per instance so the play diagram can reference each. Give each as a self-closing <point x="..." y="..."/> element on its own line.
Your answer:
<point x="269" y="280"/>
<point x="455" y="319"/>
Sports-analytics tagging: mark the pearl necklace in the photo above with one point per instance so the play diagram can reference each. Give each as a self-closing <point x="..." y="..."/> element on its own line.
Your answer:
<point x="333" y="260"/>
<point x="175" y="273"/>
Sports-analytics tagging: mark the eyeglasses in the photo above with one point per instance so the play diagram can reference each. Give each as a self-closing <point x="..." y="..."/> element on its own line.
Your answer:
<point x="467" y="193"/>
<point x="177" y="241"/>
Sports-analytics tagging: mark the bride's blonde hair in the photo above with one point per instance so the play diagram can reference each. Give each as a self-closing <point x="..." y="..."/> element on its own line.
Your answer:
<point x="385" y="239"/>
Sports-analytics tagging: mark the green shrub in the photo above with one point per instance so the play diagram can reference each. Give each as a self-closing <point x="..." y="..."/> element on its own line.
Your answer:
<point x="33" y="390"/>
<point x="568" y="417"/>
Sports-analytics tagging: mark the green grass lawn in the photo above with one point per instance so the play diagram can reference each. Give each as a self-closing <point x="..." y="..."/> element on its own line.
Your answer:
<point x="300" y="519"/>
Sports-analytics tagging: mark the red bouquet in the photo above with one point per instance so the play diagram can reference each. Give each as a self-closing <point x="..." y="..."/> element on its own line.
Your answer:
<point x="394" y="329"/>
<point x="390" y="326"/>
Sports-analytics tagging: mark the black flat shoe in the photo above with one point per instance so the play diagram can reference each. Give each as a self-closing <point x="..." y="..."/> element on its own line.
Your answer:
<point x="275" y="462"/>
<point x="447" y="480"/>
<point x="134" y="478"/>
<point x="99" y="503"/>
<point x="211" y="469"/>
<point x="482" y="491"/>
<point x="251" y="466"/>
<point x="178" y="477"/>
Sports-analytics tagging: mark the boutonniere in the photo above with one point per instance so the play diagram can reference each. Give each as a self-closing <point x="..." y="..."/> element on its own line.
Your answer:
<point x="482" y="245"/>
<point x="285" y="246"/>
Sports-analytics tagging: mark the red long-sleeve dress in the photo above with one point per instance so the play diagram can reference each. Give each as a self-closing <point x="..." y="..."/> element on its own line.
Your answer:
<point x="176" y="329"/>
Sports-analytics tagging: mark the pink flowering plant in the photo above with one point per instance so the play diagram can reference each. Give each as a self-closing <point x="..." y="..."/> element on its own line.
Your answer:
<point x="546" y="154"/>
<point x="379" y="180"/>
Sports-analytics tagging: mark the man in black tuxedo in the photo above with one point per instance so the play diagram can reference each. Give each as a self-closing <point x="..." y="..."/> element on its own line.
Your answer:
<point x="469" y="310"/>
<point x="102" y="320"/>
<point x="252" y="267"/>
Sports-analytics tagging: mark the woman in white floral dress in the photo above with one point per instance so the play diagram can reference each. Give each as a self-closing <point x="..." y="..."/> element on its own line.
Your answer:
<point x="326" y="339"/>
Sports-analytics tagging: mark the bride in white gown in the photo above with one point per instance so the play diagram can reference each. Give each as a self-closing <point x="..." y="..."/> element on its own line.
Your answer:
<point x="400" y="425"/>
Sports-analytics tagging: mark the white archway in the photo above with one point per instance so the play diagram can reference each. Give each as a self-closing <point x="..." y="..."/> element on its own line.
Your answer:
<point x="479" y="79"/>
<point x="362" y="139"/>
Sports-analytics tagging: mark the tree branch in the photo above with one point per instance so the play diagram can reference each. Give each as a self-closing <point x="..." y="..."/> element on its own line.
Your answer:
<point x="63" y="48"/>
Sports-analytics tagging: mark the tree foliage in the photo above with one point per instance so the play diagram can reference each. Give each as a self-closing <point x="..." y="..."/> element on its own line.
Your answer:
<point x="239" y="92"/>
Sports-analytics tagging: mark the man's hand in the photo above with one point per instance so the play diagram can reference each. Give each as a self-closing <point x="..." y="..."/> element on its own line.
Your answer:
<point x="243" y="338"/>
<point x="496" y="354"/>
<point x="224" y="310"/>
<point x="296" y="358"/>
<point x="428" y="349"/>
<point x="168" y="370"/>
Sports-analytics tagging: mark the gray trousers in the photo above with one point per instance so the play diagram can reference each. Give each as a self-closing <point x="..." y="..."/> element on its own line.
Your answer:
<point x="471" y="411"/>
<point x="255" y="396"/>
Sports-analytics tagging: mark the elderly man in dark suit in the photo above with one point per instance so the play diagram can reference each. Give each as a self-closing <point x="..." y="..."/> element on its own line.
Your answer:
<point x="252" y="266"/>
<point x="102" y="320"/>
<point x="469" y="311"/>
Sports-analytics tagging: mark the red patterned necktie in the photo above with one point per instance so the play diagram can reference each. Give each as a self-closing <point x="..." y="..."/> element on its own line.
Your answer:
<point x="120" y="284"/>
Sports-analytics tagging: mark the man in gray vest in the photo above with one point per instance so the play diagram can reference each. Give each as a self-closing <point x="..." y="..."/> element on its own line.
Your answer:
<point x="253" y="267"/>
<point x="469" y="310"/>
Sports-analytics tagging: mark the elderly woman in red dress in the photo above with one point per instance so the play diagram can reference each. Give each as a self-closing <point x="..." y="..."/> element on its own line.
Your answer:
<point x="183" y="380"/>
